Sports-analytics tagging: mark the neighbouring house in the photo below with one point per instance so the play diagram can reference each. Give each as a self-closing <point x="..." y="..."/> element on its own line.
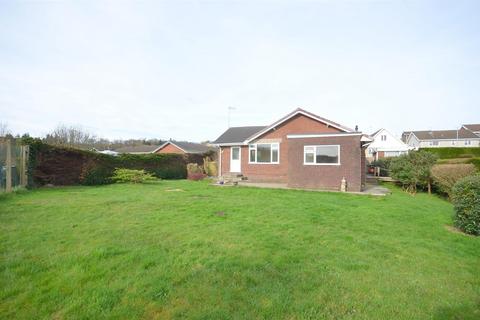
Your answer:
<point x="171" y="146"/>
<point x="441" y="138"/>
<point x="183" y="147"/>
<point x="302" y="150"/>
<point x="475" y="128"/>
<point x="385" y="145"/>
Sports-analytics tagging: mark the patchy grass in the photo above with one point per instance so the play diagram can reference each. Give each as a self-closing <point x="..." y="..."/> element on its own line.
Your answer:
<point x="142" y="251"/>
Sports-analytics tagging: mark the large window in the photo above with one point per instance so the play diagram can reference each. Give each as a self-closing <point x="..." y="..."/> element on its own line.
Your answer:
<point x="264" y="153"/>
<point x="321" y="155"/>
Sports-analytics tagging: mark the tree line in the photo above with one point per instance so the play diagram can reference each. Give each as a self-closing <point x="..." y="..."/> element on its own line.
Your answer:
<point x="79" y="137"/>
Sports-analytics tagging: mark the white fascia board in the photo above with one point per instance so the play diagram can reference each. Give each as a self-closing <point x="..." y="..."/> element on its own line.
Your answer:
<point x="302" y="136"/>
<point x="230" y="144"/>
<point x="451" y="139"/>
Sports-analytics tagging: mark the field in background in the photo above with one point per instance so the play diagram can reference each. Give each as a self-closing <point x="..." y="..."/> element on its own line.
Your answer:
<point x="457" y="155"/>
<point x="180" y="249"/>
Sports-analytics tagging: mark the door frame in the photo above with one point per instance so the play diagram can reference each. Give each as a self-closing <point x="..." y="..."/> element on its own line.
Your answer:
<point x="239" y="159"/>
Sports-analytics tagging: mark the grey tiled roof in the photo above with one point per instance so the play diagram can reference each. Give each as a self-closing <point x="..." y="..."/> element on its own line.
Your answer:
<point x="444" y="134"/>
<point x="191" y="147"/>
<point x="473" y="127"/>
<point x="238" y="134"/>
<point x="135" y="149"/>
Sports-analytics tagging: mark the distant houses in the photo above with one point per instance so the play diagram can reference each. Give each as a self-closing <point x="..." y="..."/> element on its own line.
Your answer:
<point x="466" y="136"/>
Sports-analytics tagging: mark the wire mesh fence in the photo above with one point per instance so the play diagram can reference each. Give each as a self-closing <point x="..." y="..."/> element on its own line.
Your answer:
<point x="13" y="165"/>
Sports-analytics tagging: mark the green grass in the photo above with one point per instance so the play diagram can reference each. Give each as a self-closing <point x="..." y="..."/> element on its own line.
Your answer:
<point x="141" y="251"/>
<point x="455" y="152"/>
<point x="474" y="161"/>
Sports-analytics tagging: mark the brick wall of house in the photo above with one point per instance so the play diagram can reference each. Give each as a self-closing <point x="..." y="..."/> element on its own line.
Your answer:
<point x="170" y="148"/>
<point x="327" y="176"/>
<point x="299" y="124"/>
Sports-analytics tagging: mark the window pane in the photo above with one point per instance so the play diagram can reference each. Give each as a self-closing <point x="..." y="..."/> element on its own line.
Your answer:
<point x="309" y="158"/>
<point x="275" y="155"/>
<point x="235" y="153"/>
<point x="309" y="149"/>
<point x="263" y="153"/>
<point x="327" y="154"/>
<point x="252" y="155"/>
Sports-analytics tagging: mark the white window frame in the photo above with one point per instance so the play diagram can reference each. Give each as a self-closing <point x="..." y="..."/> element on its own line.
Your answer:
<point x="383" y="137"/>
<point x="468" y="142"/>
<point x="315" y="155"/>
<point x="253" y="146"/>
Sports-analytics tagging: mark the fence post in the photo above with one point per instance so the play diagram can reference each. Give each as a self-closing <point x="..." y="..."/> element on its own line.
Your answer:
<point x="8" y="165"/>
<point x="23" y="174"/>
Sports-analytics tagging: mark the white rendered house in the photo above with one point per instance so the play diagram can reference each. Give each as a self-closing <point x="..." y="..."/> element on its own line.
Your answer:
<point x="385" y="145"/>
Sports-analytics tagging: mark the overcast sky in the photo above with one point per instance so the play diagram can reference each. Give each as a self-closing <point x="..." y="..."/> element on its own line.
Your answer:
<point x="126" y="69"/>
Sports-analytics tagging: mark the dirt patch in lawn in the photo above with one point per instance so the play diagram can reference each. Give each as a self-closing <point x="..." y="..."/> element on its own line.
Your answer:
<point x="452" y="229"/>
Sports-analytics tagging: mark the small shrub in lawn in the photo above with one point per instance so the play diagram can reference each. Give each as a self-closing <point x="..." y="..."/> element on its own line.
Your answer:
<point x="132" y="176"/>
<point x="466" y="201"/>
<point x="446" y="175"/>
<point x="195" y="172"/>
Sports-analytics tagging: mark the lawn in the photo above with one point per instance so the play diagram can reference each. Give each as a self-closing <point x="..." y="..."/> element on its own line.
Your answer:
<point x="180" y="249"/>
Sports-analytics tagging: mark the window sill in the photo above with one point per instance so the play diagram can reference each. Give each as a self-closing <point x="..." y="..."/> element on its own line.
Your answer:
<point x="264" y="163"/>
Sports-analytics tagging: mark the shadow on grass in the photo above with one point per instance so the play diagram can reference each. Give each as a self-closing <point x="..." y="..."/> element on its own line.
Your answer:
<point x="463" y="312"/>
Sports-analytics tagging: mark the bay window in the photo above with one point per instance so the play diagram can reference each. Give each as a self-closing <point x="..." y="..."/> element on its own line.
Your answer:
<point x="264" y="153"/>
<point x="321" y="155"/>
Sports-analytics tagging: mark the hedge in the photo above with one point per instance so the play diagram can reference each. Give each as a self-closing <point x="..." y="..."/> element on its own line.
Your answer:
<point x="67" y="166"/>
<point x="451" y="153"/>
<point x="466" y="201"/>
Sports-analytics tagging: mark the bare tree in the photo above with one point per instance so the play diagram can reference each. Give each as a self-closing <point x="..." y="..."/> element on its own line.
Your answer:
<point x="73" y="136"/>
<point x="4" y="131"/>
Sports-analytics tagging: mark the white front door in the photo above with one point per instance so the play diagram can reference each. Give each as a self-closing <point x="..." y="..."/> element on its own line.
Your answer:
<point x="235" y="162"/>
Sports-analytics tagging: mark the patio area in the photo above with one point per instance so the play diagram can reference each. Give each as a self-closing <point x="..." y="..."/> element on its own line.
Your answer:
<point x="372" y="187"/>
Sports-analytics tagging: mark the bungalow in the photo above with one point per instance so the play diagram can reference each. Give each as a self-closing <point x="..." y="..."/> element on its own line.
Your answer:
<point x="441" y="138"/>
<point x="385" y="145"/>
<point x="301" y="149"/>
<point x="171" y="146"/>
<point x="183" y="147"/>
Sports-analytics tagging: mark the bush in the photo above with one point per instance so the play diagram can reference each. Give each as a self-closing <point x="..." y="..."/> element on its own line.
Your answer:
<point x="195" y="172"/>
<point x="210" y="167"/>
<point x="445" y="176"/>
<point x="475" y="162"/>
<point x="132" y="176"/>
<point x="413" y="170"/>
<point x="466" y="201"/>
<point x="384" y="165"/>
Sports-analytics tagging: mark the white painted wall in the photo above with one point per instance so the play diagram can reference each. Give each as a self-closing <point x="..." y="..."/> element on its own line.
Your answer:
<point x="460" y="143"/>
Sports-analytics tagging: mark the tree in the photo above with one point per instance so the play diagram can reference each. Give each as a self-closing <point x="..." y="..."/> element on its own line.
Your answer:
<point x="414" y="169"/>
<point x="73" y="136"/>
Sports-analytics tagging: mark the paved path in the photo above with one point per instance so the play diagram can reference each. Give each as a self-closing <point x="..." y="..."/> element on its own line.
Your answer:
<point x="370" y="189"/>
